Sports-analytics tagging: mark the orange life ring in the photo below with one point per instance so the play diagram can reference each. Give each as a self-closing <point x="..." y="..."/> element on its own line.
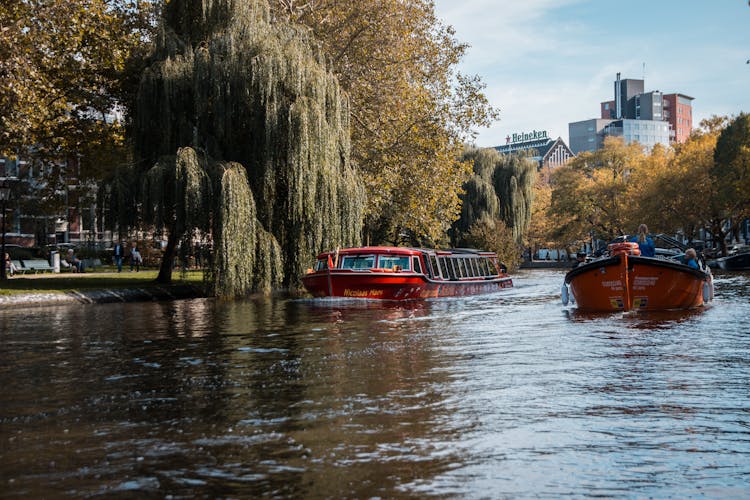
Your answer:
<point x="626" y="247"/>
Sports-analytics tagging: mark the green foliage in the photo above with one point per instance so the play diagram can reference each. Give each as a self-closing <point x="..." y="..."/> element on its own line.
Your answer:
<point x="494" y="235"/>
<point x="411" y="110"/>
<point x="731" y="170"/>
<point x="63" y="64"/>
<point x="514" y="184"/>
<point x="699" y="184"/>
<point x="500" y="189"/>
<point x="226" y="80"/>
<point x="593" y="192"/>
<point x="234" y="234"/>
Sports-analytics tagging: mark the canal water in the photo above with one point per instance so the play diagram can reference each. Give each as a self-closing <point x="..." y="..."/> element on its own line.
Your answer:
<point x="500" y="396"/>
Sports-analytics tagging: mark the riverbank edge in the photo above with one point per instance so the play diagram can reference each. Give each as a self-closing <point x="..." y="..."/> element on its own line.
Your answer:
<point x="151" y="293"/>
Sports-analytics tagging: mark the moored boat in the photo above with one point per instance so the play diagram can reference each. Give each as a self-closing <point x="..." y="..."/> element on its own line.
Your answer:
<point x="399" y="273"/>
<point x="736" y="262"/>
<point x="624" y="280"/>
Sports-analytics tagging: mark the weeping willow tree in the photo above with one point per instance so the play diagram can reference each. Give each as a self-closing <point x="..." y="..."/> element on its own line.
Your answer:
<point x="257" y="95"/>
<point x="514" y="179"/>
<point x="479" y="199"/>
<point x="496" y="204"/>
<point x="500" y="188"/>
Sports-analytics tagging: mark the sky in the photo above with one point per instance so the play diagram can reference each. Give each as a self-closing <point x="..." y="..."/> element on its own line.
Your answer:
<point x="550" y="62"/>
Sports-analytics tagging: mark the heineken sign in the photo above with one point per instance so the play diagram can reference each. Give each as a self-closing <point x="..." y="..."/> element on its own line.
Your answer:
<point x="534" y="135"/>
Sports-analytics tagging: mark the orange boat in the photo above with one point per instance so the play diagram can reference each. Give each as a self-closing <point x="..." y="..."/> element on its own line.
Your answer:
<point x="397" y="273"/>
<point x="624" y="280"/>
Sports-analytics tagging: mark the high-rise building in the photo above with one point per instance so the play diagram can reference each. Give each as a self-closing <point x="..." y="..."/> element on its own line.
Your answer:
<point x="649" y="118"/>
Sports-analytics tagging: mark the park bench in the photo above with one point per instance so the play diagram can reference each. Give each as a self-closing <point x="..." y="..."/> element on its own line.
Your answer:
<point x="36" y="265"/>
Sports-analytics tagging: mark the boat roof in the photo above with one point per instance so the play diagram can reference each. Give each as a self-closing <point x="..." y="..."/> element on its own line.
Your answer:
<point x="405" y="251"/>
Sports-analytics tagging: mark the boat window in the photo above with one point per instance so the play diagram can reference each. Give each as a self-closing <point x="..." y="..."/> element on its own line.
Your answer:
<point x="393" y="261"/>
<point x="444" y="267"/>
<point x="358" y="262"/>
<point x="434" y="264"/>
<point x="321" y="264"/>
<point x="415" y="266"/>
<point x="428" y="270"/>
<point x="493" y="267"/>
<point x="453" y="268"/>
<point x="461" y="268"/>
<point x="474" y="268"/>
<point x="486" y="268"/>
<point x="452" y="271"/>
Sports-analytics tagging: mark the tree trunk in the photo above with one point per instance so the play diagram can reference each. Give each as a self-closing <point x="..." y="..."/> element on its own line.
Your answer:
<point x="717" y="231"/>
<point x="165" y="269"/>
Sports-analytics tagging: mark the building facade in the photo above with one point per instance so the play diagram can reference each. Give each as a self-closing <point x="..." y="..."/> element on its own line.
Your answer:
<point x="649" y="118"/>
<point x="548" y="153"/>
<point x="587" y="135"/>
<point x="678" y="111"/>
<point x="39" y="215"/>
<point x="648" y="133"/>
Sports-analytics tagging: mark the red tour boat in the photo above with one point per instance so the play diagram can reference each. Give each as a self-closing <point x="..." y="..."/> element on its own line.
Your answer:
<point x="396" y="273"/>
<point x="625" y="280"/>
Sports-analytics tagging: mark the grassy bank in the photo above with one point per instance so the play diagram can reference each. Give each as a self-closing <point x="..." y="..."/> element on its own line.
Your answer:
<point x="103" y="279"/>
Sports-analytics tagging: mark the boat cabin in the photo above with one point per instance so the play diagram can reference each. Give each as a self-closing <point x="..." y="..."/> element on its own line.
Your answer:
<point x="455" y="264"/>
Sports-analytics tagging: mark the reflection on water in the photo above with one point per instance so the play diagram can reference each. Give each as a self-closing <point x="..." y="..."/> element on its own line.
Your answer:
<point x="501" y="395"/>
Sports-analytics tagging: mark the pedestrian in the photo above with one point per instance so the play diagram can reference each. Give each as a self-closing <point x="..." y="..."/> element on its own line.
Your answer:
<point x="197" y="252"/>
<point x="135" y="258"/>
<point x="119" y="253"/>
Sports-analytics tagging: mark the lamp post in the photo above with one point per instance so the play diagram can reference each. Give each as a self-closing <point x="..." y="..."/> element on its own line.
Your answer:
<point x="4" y="196"/>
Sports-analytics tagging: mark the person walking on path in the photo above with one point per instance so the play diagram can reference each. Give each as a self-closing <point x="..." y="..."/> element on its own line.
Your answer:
<point x="135" y="258"/>
<point x="119" y="253"/>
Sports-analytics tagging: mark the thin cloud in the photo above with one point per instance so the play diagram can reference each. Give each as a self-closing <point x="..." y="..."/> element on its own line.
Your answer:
<point x="547" y="63"/>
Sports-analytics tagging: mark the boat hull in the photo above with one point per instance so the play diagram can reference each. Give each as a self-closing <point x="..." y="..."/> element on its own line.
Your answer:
<point x="629" y="282"/>
<point x="395" y="286"/>
<point x="737" y="262"/>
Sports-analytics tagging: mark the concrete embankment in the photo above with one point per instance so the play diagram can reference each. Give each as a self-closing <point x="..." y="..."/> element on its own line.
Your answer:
<point x="144" y="294"/>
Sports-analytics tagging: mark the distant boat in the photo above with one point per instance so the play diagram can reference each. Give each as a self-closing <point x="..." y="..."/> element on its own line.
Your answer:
<point x="736" y="262"/>
<point x="624" y="280"/>
<point x="399" y="273"/>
